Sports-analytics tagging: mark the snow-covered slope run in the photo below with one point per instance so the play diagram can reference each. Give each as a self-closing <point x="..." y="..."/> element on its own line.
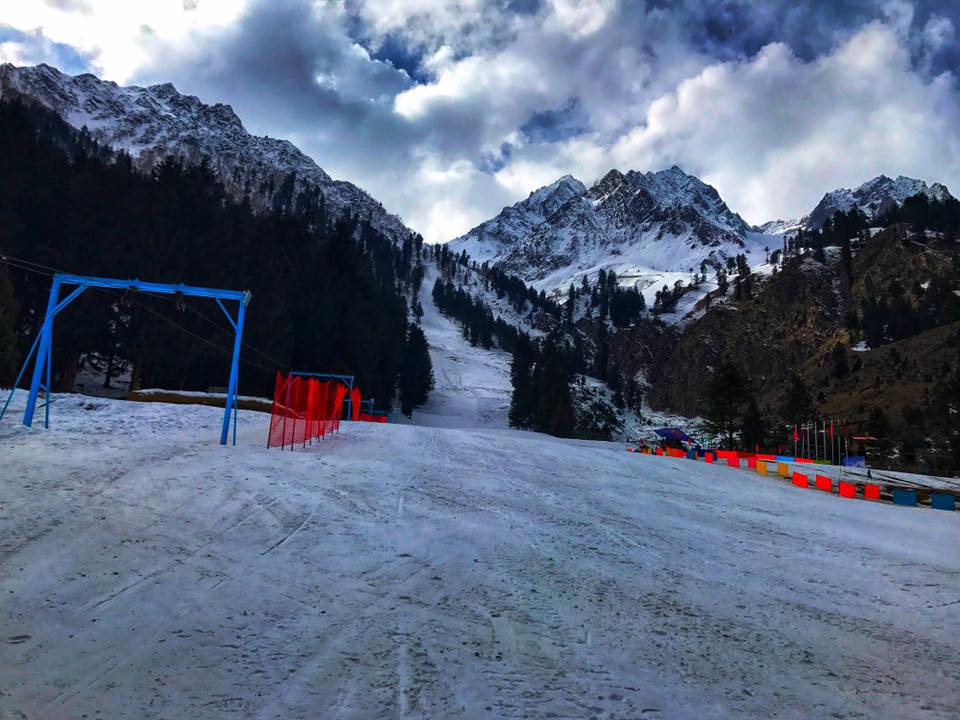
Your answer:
<point x="411" y="572"/>
<point x="472" y="384"/>
<point x="152" y="123"/>
<point x="655" y="227"/>
<point x="873" y="198"/>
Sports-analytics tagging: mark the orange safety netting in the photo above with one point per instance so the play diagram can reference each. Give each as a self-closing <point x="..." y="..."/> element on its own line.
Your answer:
<point x="304" y="409"/>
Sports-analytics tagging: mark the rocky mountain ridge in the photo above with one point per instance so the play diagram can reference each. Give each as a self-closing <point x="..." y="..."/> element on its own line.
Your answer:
<point x="157" y="122"/>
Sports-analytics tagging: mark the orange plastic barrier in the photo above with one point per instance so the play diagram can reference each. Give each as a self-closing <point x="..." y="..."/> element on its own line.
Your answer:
<point x="824" y="483"/>
<point x="783" y="470"/>
<point x="761" y="467"/>
<point x="847" y="490"/>
<point x="801" y="480"/>
<point x="871" y="492"/>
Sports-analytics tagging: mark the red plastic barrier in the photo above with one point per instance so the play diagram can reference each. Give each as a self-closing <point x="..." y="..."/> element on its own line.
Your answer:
<point x="801" y="480"/>
<point x="733" y="461"/>
<point x="659" y="451"/>
<point x="824" y="483"/>
<point x="871" y="492"/>
<point x="766" y="458"/>
<point x="848" y="490"/>
<point x="752" y="463"/>
<point x="708" y="457"/>
<point x="802" y="460"/>
<point x="303" y="409"/>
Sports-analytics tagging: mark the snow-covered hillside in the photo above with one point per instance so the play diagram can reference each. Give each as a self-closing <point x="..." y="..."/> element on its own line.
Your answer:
<point x="156" y="122"/>
<point x="413" y="572"/>
<point x="472" y="384"/>
<point x="651" y="228"/>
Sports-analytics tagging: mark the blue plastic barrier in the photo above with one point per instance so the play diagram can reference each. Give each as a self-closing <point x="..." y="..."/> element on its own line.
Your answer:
<point x="784" y="458"/>
<point x="942" y="501"/>
<point x="905" y="497"/>
<point x="855" y="461"/>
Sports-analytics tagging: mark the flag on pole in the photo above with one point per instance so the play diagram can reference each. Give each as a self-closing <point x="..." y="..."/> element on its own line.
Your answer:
<point x="796" y="435"/>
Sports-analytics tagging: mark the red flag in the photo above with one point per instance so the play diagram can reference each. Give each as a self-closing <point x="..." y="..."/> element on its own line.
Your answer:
<point x="831" y="429"/>
<point x="756" y="447"/>
<point x="796" y="435"/>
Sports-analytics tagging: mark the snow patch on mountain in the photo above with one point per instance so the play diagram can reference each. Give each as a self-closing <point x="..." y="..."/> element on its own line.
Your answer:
<point x="158" y="122"/>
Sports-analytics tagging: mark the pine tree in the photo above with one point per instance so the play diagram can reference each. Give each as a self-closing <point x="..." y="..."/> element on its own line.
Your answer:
<point x="838" y="358"/>
<point x="798" y="406"/>
<point x="521" y="368"/>
<point x="416" y="371"/>
<point x="726" y="395"/>
<point x="752" y="427"/>
<point x="553" y="410"/>
<point x="9" y="309"/>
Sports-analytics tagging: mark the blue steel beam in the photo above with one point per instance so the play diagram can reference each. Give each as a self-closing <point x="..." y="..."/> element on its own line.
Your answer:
<point x="44" y="342"/>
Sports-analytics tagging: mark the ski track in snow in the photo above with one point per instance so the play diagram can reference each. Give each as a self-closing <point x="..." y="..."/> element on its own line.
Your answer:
<point x="472" y="385"/>
<point x="422" y="572"/>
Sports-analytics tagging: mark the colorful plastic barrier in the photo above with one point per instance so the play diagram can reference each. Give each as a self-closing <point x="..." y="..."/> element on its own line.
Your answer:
<point x="847" y="490"/>
<point x="761" y="467"/>
<point x="824" y="483"/>
<point x="871" y="492"/>
<point x="902" y="496"/>
<point x="942" y="501"/>
<point x="800" y="480"/>
<point x="783" y="470"/>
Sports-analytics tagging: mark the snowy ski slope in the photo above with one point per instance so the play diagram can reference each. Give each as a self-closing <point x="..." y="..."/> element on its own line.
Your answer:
<point x="421" y="572"/>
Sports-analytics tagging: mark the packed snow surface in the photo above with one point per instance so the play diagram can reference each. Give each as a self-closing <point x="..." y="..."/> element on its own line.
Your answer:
<point x="422" y="572"/>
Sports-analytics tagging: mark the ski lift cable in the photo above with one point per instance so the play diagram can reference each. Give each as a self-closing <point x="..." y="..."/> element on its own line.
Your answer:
<point x="40" y="269"/>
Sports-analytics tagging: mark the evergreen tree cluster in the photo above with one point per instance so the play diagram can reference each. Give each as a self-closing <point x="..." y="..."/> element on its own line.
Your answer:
<point x="622" y="306"/>
<point x="898" y="314"/>
<point x="327" y="296"/>
<point x="541" y="380"/>
<point x="479" y="326"/>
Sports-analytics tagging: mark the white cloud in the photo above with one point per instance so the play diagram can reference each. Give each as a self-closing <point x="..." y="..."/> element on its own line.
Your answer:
<point x="772" y="126"/>
<point x="774" y="132"/>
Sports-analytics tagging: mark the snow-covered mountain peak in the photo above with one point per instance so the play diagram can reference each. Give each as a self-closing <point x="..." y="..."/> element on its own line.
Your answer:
<point x="156" y="122"/>
<point x="662" y="222"/>
<point x="873" y="197"/>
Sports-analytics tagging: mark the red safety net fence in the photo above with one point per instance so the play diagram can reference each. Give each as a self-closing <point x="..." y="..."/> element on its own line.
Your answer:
<point x="355" y="404"/>
<point x="304" y="408"/>
<point x="375" y="417"/>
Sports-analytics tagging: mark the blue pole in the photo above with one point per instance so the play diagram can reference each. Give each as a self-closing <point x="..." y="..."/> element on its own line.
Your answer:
<point x="43" y="354"/>
<point x="230" y="403"/>
<point x="16" y="383"/>
<point x="350" y="400"/>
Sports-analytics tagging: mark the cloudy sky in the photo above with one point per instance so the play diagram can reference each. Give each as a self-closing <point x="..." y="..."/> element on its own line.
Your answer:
<point x="447" y="110"/>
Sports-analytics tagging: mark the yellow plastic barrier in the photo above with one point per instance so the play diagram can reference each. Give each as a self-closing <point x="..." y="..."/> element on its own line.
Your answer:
<point x="761" y="467"/>
<point x="782" y="469"/>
